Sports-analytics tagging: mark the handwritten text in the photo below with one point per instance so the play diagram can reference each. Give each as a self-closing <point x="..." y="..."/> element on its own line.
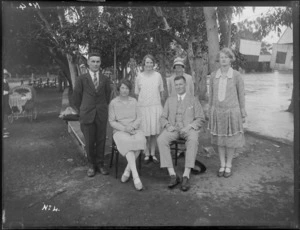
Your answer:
<point x="50" y="208"/>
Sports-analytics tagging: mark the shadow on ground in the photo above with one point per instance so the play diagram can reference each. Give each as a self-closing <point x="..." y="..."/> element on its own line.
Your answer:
<point x="45" y="183"/>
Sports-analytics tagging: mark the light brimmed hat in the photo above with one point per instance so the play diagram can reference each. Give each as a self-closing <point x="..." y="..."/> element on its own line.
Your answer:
<point x="178" y="61"/>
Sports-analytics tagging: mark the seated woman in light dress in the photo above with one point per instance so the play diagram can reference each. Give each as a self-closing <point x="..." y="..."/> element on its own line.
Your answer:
<point x="124" y="120"/>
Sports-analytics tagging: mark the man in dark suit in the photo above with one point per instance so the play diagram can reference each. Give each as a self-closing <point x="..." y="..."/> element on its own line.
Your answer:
<point x="91" y="98"/>
<point x="182" y="117"/>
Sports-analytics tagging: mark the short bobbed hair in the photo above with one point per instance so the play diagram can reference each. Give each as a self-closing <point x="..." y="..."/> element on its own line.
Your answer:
<point x="179" y="77"/>
<point x="228" y="52"/>
<point x="125" y="82"/>
<point x="144" y="60"/>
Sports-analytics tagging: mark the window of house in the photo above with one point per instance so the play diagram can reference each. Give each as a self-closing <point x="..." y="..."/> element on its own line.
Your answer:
<point x="280" y="57"/>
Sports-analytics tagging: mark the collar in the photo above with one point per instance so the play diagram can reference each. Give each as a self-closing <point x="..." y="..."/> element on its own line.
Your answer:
<point x="182" y="96"/>
<point x="229" y="73"/>
<point x="119" y="99"/>
<point x="92" y="73"/>
<point x="174" y="74"/>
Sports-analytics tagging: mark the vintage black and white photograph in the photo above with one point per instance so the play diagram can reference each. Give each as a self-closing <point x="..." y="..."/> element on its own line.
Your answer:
<point x="150" y="114"/>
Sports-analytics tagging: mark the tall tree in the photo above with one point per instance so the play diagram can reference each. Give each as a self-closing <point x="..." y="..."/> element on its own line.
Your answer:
<point x="212" y="36"/>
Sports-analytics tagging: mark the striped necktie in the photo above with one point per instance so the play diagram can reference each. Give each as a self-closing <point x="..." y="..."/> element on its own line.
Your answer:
<point x="95" y="80"/>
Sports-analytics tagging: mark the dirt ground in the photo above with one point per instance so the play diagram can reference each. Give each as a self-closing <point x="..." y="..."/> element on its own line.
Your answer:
<point x="45" y="183"/>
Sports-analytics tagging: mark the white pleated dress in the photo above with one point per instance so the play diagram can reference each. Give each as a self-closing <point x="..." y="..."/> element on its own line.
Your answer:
<point x="148" y="87"/>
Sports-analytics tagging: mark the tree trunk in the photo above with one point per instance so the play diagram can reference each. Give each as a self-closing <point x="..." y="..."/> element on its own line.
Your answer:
<point x="291" y="107"/>
<point x="73" y="70"/>
<point x="223" y="26"/>
<point x="61" y="63"/>
<point x="72" y="65"/>
<point x="229" y="33"/>
<point x="201" y="73"/>
<point x="224" y="19"/>
<point x="212" y="36"/>
<point x="190" y="55"/>
<point x="163" y="68"/>
<point x="132" y="73"/>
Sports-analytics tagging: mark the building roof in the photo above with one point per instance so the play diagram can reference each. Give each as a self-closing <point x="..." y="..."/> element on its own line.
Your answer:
<point x="287" y="36"/>
<point x="248" y="47"/>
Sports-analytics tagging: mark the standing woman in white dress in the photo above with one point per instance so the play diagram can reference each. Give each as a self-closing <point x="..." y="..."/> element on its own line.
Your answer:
<point x="149" y="88"/>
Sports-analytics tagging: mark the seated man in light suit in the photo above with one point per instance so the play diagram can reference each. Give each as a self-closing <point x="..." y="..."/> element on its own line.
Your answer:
<point x="182" y="117"/>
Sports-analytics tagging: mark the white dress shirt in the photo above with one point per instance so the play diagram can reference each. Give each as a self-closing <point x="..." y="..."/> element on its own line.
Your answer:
<point x="92" y="75"/>
<point x="181" y="96"/>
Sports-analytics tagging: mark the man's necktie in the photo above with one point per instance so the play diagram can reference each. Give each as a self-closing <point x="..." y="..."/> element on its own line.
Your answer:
<point x="95" y="80"/>
<point x="179" y="100"/>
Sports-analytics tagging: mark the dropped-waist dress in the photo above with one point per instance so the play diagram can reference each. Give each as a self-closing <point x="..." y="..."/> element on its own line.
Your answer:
<point x="121" y="114"/>
<point x="148" y="87"/>
<point x="227" y="108"/>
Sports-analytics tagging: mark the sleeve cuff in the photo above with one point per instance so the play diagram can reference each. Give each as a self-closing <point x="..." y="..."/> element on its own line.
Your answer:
<point x="243" y="112"/>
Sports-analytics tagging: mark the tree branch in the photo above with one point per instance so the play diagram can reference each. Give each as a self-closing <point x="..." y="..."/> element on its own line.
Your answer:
<point x="183" y="44"/>
<point x="159" y="13"/>
<point x="48" y="27"/>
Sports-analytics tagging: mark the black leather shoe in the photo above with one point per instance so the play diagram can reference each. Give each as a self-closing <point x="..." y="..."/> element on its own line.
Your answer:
<point x="147" y="160"/>
<point x="174" y="181"/>
<point x="185" y="184"/>
<point x="91" y="172"/>
<point x="103" y="170"/>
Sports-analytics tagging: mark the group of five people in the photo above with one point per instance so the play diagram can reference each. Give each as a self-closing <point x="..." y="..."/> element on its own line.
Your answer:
<point x="142" y="123"/>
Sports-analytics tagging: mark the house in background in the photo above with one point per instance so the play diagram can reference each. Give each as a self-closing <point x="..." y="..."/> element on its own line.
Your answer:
<point x="264" y="61"/>
<point x="282" y="54"/>
<point x="251" y="50"/>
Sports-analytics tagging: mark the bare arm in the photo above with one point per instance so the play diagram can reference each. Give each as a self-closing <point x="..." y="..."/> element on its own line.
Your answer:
<point x="165" y="114"/>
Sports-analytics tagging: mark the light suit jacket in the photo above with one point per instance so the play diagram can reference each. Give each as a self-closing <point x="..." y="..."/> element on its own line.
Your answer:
<point x="193" y="112"/>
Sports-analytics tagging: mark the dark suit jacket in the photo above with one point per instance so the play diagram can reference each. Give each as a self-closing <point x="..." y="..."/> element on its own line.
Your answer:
<point x="193" y="112"/>
<point x="5" y="86"/>
<point x="88" y="100"/>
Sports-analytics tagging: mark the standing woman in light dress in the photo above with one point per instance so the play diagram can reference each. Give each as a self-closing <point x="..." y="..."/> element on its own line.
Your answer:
<point x="227" y="110"/>
<point x="149" y="88"/>
<point x="125" y="121"/>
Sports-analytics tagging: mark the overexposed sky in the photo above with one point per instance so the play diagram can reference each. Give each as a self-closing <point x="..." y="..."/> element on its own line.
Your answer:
<point x="251" y="16"/>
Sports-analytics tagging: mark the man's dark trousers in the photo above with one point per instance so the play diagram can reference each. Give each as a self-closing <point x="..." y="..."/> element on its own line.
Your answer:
<point x="95" y="136"/>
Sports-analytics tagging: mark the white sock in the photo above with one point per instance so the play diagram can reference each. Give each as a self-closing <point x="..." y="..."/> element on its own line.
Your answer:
<point x="187" y="172"/>
<point x="130" y="156"/>
<point x="127" y="170"/>
<point x="171" y="171"/>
